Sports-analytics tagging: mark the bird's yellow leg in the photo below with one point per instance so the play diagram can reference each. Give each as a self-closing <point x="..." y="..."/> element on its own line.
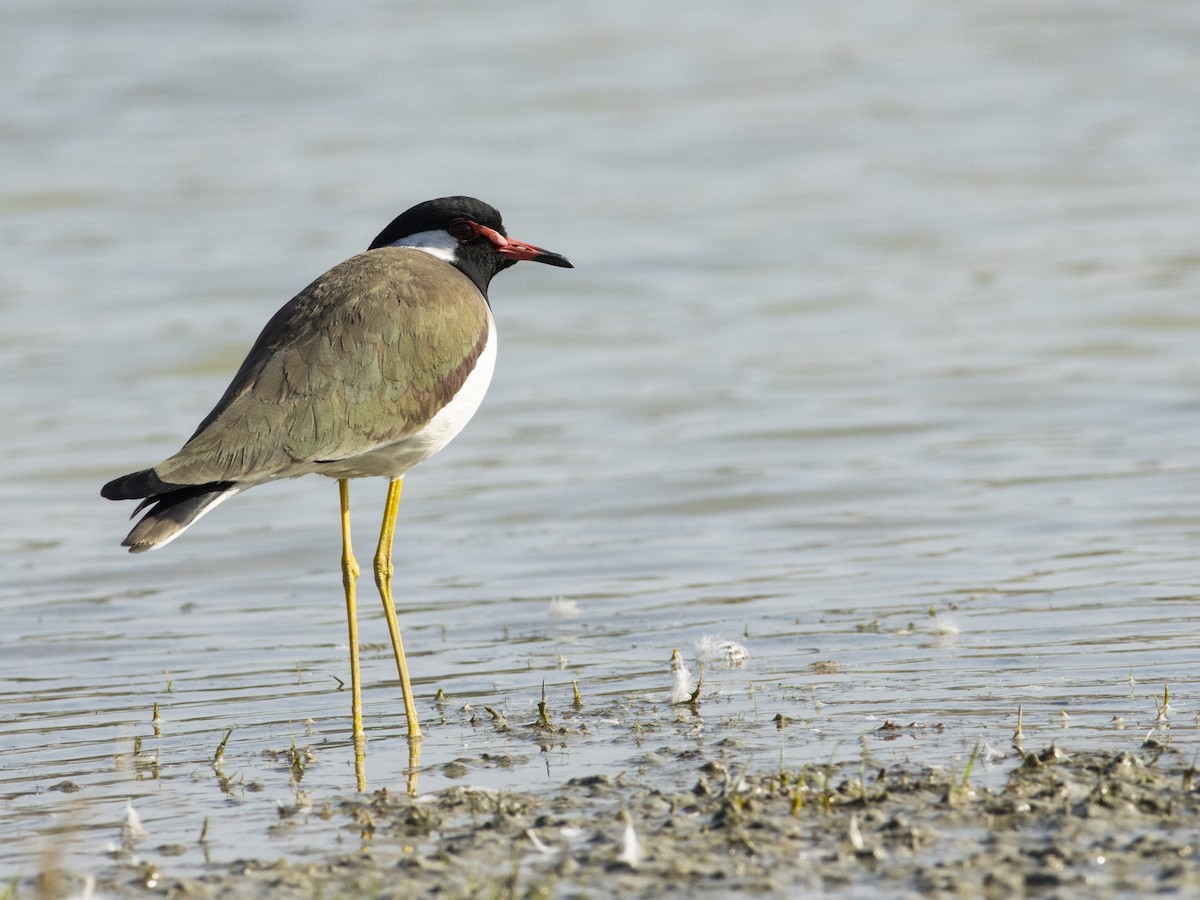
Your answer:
<point x="383" y="580"/>
<point x="349" y="578"/>
<point x="414" y="763"/>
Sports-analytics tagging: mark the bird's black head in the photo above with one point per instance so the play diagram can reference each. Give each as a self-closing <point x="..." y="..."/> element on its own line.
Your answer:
<point x="465" y="232"/>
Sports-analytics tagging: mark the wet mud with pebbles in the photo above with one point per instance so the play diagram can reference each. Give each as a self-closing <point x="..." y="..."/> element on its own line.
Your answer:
<point x="1066" y="821"/>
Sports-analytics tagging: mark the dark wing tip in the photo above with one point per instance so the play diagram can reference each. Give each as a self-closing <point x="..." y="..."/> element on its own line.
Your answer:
<point x="135" y="486"/>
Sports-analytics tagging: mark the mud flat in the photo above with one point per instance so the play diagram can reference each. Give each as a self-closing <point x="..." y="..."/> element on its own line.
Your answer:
<point x="1066" y="821"/>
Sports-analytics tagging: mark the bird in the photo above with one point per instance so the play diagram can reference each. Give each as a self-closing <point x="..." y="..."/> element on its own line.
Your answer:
<point x="368" y="371"/>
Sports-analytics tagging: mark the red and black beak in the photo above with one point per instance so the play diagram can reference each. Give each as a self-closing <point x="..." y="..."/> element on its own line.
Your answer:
<point x="516" y="250"/>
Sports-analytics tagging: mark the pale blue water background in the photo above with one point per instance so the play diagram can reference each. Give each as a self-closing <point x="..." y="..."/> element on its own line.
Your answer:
<point x="879" y="308"/>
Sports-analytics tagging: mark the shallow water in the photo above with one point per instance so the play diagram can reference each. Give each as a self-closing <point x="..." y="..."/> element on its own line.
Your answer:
<point x="880" y="351"/>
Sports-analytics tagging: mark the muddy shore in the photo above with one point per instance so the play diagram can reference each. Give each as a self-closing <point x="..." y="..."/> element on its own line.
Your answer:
<point x="1067" y="820"/>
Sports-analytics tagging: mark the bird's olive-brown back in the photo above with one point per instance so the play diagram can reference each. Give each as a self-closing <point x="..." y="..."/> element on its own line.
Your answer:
<point x="364" y="356"/>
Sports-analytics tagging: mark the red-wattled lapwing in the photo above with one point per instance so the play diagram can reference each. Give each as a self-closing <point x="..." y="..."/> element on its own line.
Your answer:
<point x="369" y="370"/>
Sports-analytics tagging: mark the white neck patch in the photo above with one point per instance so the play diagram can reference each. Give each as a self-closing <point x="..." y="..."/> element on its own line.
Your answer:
<point x="437" y="243"/>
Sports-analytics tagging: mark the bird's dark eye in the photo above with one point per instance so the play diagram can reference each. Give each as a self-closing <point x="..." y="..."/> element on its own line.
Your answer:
<point x="463" y="230"/>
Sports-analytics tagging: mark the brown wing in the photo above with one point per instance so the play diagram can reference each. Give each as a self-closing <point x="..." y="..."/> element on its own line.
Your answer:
<point x="362" y="357"/>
